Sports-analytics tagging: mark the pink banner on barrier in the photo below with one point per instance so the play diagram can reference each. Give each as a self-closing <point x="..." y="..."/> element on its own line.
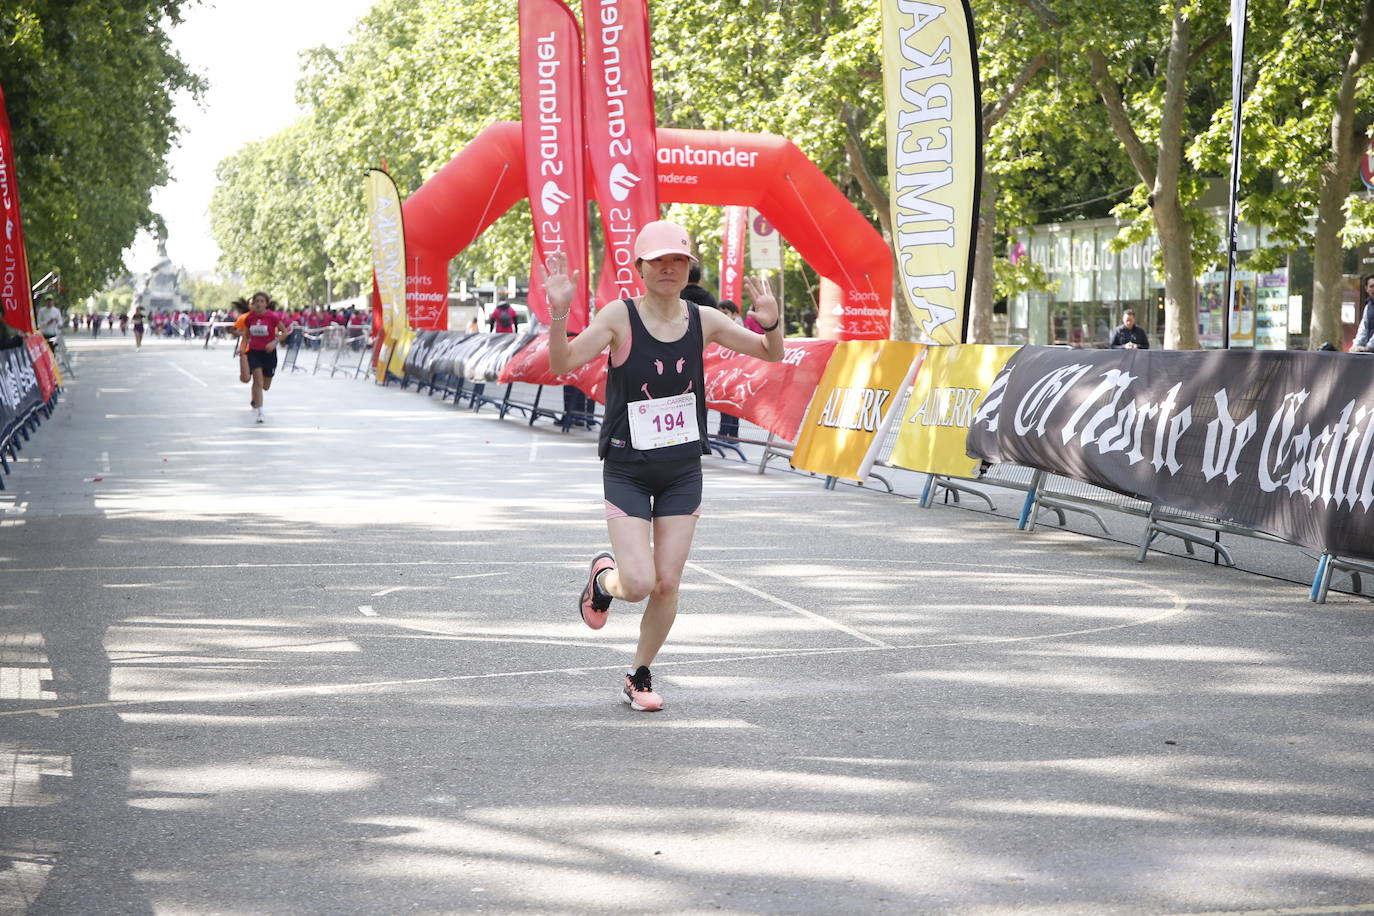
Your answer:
<point x="531" y="365"/>
<point x="622" y="141"/>
<point x="41" y="356"/>
<point x="555" y="161"/>
<point x="773" y="396"/>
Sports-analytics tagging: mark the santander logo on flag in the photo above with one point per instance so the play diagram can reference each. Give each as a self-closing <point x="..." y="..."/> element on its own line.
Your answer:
<point x="622" y="181"/>
<point x="552" y="198"/>
<point x="621" y="136"/>
<point x="552" y="130"/>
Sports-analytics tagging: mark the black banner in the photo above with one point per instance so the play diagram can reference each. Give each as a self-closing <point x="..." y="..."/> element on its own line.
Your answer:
<point x="1278" y="441"/>
<point x="19" y="392"/>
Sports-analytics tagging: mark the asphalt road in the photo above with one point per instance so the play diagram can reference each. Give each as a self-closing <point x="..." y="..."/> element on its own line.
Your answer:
<point x="332" y="664"/>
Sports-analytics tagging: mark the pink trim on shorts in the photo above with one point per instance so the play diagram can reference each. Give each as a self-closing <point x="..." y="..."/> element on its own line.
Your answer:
<point x="614" y="511"/>
<point x="622" y="353"/>
<point x="697" y="511"/>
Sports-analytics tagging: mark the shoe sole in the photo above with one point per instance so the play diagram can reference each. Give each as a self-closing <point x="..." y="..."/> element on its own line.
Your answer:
<point x="584" y="600"/>
<point x="627" y="699"/>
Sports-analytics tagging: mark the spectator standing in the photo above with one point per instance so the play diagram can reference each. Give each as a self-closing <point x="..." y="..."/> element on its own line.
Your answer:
<point x="694" y="291"/>
<point x="504" y="319"/>
<point x="49" y="321"/>
<point x="729" y="423"/>
<point x="1129" y="336"/>
<point x="1364" y="335"/>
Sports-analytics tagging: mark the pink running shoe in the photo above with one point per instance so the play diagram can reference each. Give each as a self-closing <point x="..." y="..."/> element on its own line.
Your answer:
<point x="595" y="605"/>
<point x="639" y="691"/>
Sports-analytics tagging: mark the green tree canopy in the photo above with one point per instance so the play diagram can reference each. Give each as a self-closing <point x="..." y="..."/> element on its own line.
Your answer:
<point x="89" y="87"/>
<point x="1090" y="110"/>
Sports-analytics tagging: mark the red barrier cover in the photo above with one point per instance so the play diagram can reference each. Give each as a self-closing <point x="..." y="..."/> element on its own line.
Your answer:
<point x="773" y="396"/>
<point x="41" y="356"/>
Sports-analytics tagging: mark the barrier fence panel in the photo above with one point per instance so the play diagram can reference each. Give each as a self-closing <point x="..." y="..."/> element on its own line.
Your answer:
<point x="331" y="344"/>
<point x="472" y="375"/>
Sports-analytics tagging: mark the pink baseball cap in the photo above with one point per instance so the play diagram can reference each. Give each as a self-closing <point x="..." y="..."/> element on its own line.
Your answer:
<point x="660" y="238"/>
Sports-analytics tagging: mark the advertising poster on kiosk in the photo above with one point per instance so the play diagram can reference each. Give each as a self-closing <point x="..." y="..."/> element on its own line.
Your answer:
<point x="1271" y="310"/>
<point x="1243" y="310"/>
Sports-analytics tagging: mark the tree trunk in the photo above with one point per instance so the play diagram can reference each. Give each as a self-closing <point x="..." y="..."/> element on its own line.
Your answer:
<point x="1325" y="325"/>
<point x="1159" y="169"/>
<point x="903" y="322"/>
<point x="983" y="280"/>
<point x="1348" y="141"/>
<point x="1180" y="291"/>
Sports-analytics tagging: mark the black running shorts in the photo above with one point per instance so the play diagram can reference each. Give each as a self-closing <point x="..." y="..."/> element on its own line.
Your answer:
<point x="652" y="489"/>
<point x="266" y="360"/>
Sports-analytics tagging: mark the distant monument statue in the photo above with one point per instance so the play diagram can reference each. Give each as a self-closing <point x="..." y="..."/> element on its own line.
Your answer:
<point x="160" y="290"/>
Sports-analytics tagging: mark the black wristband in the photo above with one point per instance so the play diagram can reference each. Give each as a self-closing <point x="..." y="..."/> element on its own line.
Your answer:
<point x="771" y="327"/>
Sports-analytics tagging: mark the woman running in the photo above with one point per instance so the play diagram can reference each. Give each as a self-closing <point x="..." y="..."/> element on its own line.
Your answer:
<point x="265" y="330"/>
<point x="654" y="432"/>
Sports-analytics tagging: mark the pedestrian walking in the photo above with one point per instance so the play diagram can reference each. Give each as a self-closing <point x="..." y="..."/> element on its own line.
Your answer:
<point x="654" y="431"/>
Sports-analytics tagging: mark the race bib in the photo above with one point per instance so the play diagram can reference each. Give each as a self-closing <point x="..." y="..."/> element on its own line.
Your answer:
<point x="662" y="422"/>
<point x="258" y="330"/>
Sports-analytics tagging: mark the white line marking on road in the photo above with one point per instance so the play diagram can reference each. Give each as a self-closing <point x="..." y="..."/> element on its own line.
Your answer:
<point x="387" y="591"/>
<point x="1290" y="911"/>
<point x="790" y="606"/>
<point x="478" y="575"/>
<point x="201" y="382"/>
<point x="400" y="563"/>
<point x="366" y="610"/>
<point x="327" y="689"/>
<point x="1180" y="605"/>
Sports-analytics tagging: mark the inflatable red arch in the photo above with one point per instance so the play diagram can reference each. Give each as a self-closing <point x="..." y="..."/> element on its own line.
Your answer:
<point x="450" y="210"/>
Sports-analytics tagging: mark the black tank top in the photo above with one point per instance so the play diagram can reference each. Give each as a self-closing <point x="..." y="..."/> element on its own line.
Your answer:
<point x="654" y="369"/>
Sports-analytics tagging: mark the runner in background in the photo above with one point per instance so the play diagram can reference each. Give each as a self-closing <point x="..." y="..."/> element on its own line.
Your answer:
<point x="651" y="472"/>
<point x="265" y="330"/>
<point x="240" y="332"/>
<point x="138" y="328"/>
